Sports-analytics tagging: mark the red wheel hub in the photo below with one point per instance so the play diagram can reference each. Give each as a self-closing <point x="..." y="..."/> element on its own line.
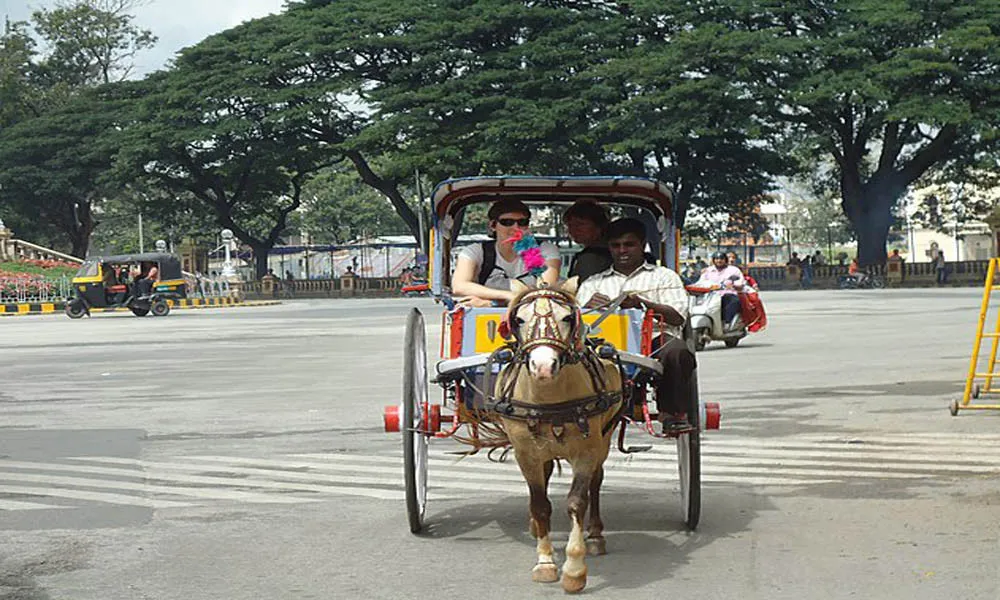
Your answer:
<point x="391" y="419"/>
<point x="713" y="415"/>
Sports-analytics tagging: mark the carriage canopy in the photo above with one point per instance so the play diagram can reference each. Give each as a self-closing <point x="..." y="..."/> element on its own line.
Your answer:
<point x="451" y="197"/>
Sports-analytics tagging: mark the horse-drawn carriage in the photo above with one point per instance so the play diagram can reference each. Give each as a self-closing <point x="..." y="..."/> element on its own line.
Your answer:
<point x="481" y="346"/>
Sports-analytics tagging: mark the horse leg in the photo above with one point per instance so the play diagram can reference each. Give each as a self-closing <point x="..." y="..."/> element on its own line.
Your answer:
<point x="537" y="475"/>
<point x="574" y="577"/>
<point x="596" y="544"/>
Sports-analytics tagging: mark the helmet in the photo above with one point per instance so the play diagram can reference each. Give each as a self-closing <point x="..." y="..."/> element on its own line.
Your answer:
<point x="719" y="254"/>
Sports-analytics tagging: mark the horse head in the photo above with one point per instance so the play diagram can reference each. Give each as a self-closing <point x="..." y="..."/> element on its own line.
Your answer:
<point x="546" y="325"/>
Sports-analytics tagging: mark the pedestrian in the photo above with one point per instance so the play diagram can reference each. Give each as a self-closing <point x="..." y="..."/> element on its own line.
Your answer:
<point x="941" y="267"/>
<point x="807" y="270"/>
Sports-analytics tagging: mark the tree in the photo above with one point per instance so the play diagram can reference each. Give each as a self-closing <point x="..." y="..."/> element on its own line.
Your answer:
<point x="91" y="41"/>
<point x="338" y="207"/>
<point x="892" y="90"/>
<point x="680" y="113"/>
<point x="201" y="129"/>
<point x="17" y="51"/>
<point x="55" y="165"/>
<point x="55" y="125"/>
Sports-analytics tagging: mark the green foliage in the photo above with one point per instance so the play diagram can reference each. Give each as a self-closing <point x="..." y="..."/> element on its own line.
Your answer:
<point x="891" y="90"/>
<point x="90" y="41"/>
<point x="337" y="208"/>
<point x="55" y="166"/>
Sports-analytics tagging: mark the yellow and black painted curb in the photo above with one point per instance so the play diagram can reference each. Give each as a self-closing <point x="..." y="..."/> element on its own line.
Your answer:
<point x="32" y="308"/>
<point x="44" y="308"/>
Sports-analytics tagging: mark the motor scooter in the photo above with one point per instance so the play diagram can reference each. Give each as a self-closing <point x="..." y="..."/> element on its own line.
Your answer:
<point x="705" y="309"/>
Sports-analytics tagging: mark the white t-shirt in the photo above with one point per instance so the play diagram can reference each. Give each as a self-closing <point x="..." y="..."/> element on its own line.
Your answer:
<point x="474" y="252"/>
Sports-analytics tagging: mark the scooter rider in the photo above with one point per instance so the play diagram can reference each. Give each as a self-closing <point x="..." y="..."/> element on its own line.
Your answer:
<point x="731" y="280"/>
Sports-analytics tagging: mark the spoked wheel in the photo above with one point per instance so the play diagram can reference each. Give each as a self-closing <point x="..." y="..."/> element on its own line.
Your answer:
<point x="414" y="407"/>
<point x="689" y="460"/>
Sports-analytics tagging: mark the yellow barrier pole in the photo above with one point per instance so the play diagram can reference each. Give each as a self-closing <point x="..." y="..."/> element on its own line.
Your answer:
<point x="967" y="394"/>
<point x="988" y="386"/>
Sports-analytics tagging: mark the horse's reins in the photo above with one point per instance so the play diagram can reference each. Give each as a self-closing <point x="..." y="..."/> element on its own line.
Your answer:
<point x="545" y="332"/>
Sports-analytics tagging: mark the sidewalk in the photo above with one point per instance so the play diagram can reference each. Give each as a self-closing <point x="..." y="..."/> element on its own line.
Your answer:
<point x="44" y="308"/>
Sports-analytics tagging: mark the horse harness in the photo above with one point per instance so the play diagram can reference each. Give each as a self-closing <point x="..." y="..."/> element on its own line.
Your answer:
<point x="545" y="332"/>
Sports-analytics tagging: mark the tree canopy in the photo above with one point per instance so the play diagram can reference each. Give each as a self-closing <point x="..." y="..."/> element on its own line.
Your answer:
<point x="717" y="98"/>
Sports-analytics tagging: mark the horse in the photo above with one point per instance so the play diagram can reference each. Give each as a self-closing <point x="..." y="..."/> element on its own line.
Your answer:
<point x="557" y="400"/>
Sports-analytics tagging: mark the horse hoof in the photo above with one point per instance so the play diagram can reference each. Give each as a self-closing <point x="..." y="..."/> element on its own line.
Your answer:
<point x="573" y="584"/>
<point x="597" y="546"/>
<point x="545" y="573"/>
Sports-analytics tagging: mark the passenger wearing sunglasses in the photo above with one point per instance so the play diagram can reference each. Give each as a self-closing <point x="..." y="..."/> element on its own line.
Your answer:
<point x="483" y="273"/>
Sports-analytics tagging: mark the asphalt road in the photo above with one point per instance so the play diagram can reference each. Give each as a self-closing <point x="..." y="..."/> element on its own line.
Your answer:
<point x="238" y="454"/>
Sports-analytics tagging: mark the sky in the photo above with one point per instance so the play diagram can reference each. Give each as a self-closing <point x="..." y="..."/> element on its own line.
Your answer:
<point x="177" y="23"/>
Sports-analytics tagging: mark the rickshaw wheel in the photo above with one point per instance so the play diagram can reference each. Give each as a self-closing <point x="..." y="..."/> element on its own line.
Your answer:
<point x="140" y="312"/>
<point x="160" y="308"/>
<point x="689" y="460"/>
<point x="75" y="309"/>
<point x="414" y="405"/>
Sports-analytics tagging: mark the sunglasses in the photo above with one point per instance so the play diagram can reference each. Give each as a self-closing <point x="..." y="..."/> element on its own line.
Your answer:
<point x="512" y="222"/>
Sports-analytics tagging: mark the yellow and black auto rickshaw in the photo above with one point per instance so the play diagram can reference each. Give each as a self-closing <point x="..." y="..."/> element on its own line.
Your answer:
<point x="142" y="283"/>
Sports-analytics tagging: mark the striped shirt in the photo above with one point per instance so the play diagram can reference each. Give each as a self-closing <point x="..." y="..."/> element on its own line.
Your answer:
<point x="650" y="282"/>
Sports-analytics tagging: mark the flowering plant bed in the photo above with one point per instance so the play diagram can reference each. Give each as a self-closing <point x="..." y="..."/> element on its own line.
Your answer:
<point x="41" y="280"/>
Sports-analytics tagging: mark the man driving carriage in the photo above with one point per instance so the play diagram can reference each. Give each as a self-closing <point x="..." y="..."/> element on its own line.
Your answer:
<point x="484" y="270"/>
<point x="654" y="288"/>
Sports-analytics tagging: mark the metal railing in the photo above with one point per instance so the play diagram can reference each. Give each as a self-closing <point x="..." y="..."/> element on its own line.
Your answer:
<point x="26" y="250"/>
<point x="27" y="290"/>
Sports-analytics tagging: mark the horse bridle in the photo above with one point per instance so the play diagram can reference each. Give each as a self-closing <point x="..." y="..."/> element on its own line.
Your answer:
<point x="545" y="332"/>
<point x="544" y="326"/>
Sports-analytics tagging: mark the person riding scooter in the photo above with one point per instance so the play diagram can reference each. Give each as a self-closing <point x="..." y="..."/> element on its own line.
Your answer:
<point x="729" y="279"/>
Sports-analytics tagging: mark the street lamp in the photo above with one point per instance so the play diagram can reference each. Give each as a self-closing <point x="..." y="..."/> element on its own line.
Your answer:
<point x="227" y="241"/>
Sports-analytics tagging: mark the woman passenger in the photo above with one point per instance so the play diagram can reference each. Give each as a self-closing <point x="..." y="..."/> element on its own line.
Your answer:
<point x="484" y="270"/>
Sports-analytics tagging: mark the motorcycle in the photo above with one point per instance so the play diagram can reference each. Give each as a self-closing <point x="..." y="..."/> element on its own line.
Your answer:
<point x="869" y="282"/>
<point x="705" y="308"/>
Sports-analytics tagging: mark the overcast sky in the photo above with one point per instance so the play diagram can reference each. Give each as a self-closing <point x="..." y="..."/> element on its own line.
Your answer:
<point x="178" y="23"/>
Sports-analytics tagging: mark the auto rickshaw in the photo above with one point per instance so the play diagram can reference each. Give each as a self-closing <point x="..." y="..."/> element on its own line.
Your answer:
<point x="116" y="282"/>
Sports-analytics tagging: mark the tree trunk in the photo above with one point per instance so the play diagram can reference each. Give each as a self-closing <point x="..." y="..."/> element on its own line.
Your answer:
<point x="870" y="214"/>
<point x="260" y="252"/>
<point x="83" y="227"/>
<point x="390" y="190"/>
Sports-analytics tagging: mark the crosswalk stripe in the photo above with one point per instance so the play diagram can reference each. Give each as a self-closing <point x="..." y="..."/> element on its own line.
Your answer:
<point x="207" y="494"/>
<point x="446" y="475"/>
<point x="780" y="461"/>
<point x="18" y="505"/>
<point x="841" y="457"/>
<point x="103" y="497"/>
<point x="201" y="480"/>
<point x="843" y="445"/>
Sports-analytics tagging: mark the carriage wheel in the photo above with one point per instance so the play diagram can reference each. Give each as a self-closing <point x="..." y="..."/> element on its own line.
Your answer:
<point x="414" y="406"/>
<point x="689" y="460"/>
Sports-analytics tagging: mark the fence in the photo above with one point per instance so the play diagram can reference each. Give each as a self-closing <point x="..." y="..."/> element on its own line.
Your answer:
<point x="342" y="287"/>
<point x="960" y="273"/>
<point x="22" y="289"/>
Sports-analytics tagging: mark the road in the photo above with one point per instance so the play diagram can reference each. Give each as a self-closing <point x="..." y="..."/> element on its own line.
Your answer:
<point x="238" y="454"/>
